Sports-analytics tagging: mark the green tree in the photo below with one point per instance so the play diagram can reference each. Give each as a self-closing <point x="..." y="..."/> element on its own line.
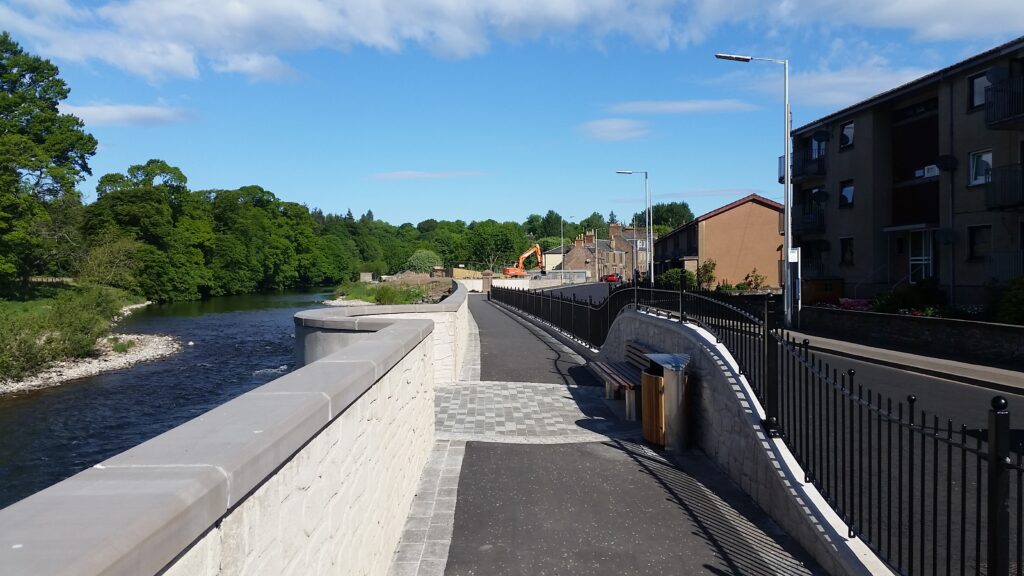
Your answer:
<point x="491" y="242"/>
<point x="43" y="155"/>
<point x="670" y="214"/>
<point x="423" y="261"/>
<point x="595" y="222"/>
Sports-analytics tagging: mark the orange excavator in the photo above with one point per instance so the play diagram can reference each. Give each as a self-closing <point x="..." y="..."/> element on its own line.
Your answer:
<point x="518" y="270"/>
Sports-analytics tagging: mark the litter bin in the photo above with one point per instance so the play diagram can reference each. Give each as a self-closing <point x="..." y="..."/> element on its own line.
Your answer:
<point x="674" y="401"/>
<point x="652" y="405"/>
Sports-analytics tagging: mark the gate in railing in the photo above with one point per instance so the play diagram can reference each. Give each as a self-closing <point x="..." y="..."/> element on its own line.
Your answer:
<point x="927" y="496"/>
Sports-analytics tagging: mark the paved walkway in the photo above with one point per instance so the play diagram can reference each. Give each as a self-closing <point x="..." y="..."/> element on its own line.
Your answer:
<point x="532" y="473"/>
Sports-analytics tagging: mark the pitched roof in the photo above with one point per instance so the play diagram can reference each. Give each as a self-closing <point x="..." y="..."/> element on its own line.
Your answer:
<point x="917" y="83"/>
<point x="757" y="198"/>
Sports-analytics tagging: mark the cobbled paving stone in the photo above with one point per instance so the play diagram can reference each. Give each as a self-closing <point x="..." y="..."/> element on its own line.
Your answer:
<point x="527" y="413"/>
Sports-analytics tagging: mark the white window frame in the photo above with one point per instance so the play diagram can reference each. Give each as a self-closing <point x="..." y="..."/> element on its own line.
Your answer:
<point x="975" y="179"/>
<point x="922" y="265"/>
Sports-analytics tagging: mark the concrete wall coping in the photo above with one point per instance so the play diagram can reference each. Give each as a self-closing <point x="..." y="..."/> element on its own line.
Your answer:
<point x="136" y="512"/>
<point x="347" y="317"/>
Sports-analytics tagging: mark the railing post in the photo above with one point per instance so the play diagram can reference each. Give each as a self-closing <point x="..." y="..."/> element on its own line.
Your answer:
<point x="770" y="349"/>
<point x="998" y="487"/>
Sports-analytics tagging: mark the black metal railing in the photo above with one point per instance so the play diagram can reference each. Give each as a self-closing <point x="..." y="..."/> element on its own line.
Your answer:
<point x="929" y="497"/>
<point x="1004" y="103"/>
<point x="1005" y="188"/>
<point x="809" y="219"/>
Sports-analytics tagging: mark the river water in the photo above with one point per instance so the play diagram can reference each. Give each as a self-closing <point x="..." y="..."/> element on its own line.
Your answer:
<point x="238" y="343"/>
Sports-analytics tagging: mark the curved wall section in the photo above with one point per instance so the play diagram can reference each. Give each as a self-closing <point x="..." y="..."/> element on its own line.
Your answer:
<point x="728" y="424"/>
<point x="323" y="331"/>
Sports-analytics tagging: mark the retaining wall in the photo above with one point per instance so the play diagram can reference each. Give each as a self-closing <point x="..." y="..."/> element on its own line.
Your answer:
<point x="981" y="342"/>
<point x="728" y="421"/>
<point x="319" y="332"/>
<point x="312" y="473"/>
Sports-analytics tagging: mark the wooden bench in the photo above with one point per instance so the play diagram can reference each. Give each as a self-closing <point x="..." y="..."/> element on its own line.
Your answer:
<point x="624" y="375"/>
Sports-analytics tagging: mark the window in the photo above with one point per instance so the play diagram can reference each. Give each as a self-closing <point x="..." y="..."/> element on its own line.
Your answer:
<point x="846" y="251"/>
<point x="980" y="239"/>
<point x="817" y="149"/>
<point x="846" y="193"/>
<point x="981" y="167"/>
<point x="846" y="135"/>
<point x="978" y="84"/>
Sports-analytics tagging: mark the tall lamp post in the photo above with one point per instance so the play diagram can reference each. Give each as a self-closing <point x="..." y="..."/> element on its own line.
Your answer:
<point x="650" y="229"/>
<point x="787" y="241"/>
<point x="561" y="240"/>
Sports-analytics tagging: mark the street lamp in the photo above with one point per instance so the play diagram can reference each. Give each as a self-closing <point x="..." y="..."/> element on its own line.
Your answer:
<point x="649" y="224"/>
<point x="787" y="241"/>
<point x="561" y="240"/>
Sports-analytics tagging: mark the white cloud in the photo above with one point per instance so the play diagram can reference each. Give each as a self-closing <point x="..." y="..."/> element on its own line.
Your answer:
<point x="126" y="114"/>
<point x="258" y="66"/>
<point x="680" y="106"/>
<point x="159" y="38"/>
<point x="419" y="175"/>
<point x="846" y="86"/>
<point x="614" y="129"/>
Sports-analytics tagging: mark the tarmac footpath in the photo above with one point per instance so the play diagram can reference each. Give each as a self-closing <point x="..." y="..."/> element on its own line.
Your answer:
<point x="532" y="473"/>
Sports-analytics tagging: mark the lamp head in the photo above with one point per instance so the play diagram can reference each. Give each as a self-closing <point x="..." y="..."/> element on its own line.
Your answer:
<point x="623" y="171"/>
<point x="734" y="57"/>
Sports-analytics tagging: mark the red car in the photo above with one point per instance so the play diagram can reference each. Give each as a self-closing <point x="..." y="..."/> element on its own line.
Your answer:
<point x="614" y="277"/>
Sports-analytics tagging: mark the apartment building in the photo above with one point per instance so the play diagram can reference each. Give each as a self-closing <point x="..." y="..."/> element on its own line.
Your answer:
<point x="922" y="181"/>
<point x="739" y="237"/>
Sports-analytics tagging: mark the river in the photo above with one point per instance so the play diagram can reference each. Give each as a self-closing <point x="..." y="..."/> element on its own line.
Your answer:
<point x="238" y="343"/>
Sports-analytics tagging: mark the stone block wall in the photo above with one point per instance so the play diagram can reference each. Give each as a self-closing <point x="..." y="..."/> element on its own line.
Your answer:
<point x="312" y="473"/>
<point x="339" y="505"/>
<point x="727" y="420"/>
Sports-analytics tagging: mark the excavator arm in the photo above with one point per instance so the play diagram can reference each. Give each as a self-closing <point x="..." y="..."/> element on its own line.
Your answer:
<point x="519" y="269"/>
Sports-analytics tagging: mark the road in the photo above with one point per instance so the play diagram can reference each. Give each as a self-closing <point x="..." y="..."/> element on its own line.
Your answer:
<point x="598" y="291"/>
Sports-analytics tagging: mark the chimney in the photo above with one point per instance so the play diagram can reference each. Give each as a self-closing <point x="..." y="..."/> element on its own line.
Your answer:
<point x="579" y="241"/>
<point x="614" y="231"/>
<point x="590" y="237"/>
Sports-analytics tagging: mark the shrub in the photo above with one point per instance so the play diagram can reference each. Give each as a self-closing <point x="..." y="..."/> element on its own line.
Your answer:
<point x="1009" y="306"/>
<point x="423" y="261"/>
<point x="706" y="274"/>
<point x="918" y="297"/>
<point x="754" y="280"/>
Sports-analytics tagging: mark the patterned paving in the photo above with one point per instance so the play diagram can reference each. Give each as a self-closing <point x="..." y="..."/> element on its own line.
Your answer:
<point x="526" y="413"/>
<point x="423" y="550"/>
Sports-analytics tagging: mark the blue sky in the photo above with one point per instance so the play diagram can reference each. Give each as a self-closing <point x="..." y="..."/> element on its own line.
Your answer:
<point x="449" y="109"/>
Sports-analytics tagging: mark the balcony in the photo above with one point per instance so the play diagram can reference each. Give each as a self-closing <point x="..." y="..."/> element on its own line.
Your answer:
<point x="809" y="219"/>
<point x="1004" y="104"/>
<point x="1005" y="189"/>
<point x="1004" y="266"/>
<point x="805" y="166"/>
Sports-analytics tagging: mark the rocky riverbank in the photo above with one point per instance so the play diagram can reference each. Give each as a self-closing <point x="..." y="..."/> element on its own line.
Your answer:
<point x="114" y="352"/>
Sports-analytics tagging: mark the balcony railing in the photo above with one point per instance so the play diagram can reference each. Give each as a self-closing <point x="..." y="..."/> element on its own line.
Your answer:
<point x="809" y="219"/>
<point x="805" y="165"/>
<point x="1004" y="104"/>
<point x="1004" y="266"/>
<point x="1005" y="188"/>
